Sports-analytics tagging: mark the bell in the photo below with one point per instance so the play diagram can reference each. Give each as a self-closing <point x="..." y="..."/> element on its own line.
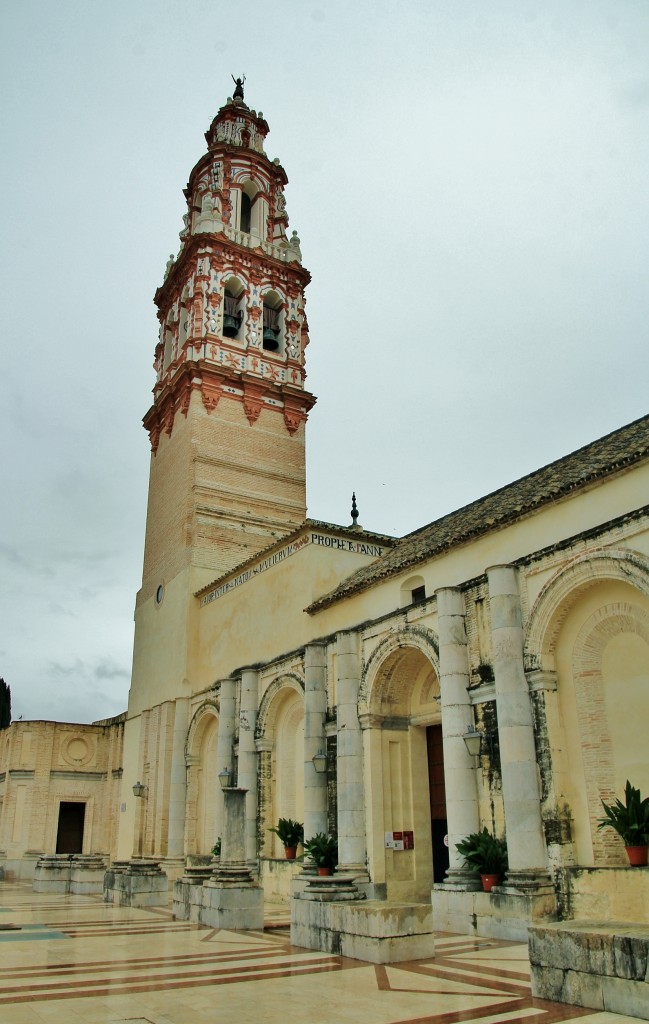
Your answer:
<point x="230" y="325"/>
<point x="270" y="339"/>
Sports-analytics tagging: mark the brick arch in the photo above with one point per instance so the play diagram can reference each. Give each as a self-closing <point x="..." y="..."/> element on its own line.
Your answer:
<point x="562" y="590"/>
<point x="386" y="679"/>
<point x="597" y="749"/>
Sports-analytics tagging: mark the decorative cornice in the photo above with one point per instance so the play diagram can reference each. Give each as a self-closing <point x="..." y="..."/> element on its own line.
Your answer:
<point x="215" y="382"/>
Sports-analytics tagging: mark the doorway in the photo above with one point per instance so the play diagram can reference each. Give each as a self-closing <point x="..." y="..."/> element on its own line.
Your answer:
<point x="437" y="789"/>
<point x="69" y="836"/>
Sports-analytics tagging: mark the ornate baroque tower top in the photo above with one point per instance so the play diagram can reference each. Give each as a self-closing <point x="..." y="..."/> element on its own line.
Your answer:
<point x="231" y="308"/>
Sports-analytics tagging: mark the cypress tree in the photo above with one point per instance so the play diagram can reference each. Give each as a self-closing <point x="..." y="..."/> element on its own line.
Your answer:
<point x="5" y="705"/>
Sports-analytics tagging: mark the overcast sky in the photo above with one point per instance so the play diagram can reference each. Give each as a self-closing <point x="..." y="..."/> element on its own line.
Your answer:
<point x="469" y="182"/>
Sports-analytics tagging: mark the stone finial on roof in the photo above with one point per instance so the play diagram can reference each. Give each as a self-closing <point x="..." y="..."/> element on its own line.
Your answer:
<point x="355" y="524"/>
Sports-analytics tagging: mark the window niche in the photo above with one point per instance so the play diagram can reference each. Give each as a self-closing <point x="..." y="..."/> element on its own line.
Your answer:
<point x="249" y="208"/>
<point x="413" y="591"/>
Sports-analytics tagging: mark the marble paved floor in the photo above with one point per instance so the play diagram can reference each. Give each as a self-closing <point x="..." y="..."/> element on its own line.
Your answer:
<point x="77" y="960"/>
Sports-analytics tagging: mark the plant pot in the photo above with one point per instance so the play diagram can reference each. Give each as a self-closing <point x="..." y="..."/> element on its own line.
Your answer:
<point x="325" y="871"/>
<point x="637" y="856"/>
<point x="488" y="881"/>
<point x="290" y="852"/>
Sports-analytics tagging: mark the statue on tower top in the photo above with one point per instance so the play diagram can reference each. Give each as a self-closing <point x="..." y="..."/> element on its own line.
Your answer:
<point x="238" y="87"/>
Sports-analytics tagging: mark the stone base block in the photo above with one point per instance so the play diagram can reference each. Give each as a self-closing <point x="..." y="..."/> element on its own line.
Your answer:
<point x="494" y="915"/>
<point x="188" y="893"/>
<point x="604" y="966"/>
<point x="18" y="869"/>
<point x="136" y="884"/>
<point x="377" y="931"/>
<point x="75" y="873"/>
<point x="239" y="908"/>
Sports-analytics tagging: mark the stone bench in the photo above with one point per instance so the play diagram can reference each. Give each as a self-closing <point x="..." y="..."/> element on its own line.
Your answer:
<point x="602" y="965"/>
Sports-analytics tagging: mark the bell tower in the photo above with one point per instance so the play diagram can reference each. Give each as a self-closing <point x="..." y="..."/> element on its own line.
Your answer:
<point x="229" y="404"/>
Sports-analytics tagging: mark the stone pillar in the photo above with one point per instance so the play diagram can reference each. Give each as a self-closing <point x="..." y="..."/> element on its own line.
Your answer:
<point x="521" y="795"/>
<point x="459" y="770"/>
<point x="178" y="782"/>
<point x="224" y="744"/>
<point x="247" y="774"/>
<point x="349" y="763"/>
<point x="315" y="710"/>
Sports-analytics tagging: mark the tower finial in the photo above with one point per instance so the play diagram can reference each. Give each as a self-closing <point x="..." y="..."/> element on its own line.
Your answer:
<point x="355" y="524"/>
<point x="238" y="87"/>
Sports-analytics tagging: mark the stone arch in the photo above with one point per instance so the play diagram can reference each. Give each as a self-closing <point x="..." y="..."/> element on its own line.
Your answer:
<point x="268" y="703"/>
<point x="202" y="782"/>
<point x="400" y="715"/>
<point x="384" y="674"/>
<point x="280" y="743"/>
<point x="604" y="738"/>
<point x="559" y="593"/>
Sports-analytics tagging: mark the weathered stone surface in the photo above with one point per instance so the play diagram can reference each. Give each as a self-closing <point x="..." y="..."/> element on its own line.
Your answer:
<point x="600" y="965"/>
<point x="371" y="930"/>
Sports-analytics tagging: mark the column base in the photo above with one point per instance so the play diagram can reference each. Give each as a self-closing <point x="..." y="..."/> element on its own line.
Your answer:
<point x="528" y="882"/>
<point x="460" y="880"/>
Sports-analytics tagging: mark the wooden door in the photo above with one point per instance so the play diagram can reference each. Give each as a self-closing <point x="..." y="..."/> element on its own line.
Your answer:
<point x="437" y="788"/>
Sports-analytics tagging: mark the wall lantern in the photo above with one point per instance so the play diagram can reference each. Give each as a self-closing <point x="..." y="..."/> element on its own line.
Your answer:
<point x="320" y="762"/>
<point x="225" y="778"/>
<point x="475" y="742"/>
<point x="139" y="789"/>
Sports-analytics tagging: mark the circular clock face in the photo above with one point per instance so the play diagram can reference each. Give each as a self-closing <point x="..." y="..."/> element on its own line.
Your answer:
<point x="159" y="594"/>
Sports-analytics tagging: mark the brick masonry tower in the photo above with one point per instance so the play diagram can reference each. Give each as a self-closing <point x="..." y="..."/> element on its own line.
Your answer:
<point x="229" y="409"/>
<point x="227" y="421"/>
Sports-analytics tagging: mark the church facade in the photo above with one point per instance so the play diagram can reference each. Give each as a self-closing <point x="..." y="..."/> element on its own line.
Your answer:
<point x="490" y="669"/>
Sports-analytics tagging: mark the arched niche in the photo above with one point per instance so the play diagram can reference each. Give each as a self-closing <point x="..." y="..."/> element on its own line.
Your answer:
<point x="280" y="742"/>
<point x="589" y="629"/>
<point x="202" y="827"/>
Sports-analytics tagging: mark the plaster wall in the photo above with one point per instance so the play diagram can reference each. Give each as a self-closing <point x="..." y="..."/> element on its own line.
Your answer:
<point x="552" y="525"/>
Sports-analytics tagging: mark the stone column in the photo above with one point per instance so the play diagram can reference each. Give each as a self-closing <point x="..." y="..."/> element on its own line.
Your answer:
<point x="178" y="781"/>
<point x="521" y="795"/>
<point x="247" y="774"/>
<point x="315" y="710"/>
<point x="349" y="763"/>
<point x="224" y="744"/>
<point x="459" y="770"/>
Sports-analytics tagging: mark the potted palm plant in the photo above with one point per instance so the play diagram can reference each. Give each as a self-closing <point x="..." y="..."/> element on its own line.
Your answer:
<point x="631" y="822"/>
<point x="487" y="854"/>
<point x="290" y="834"/>
<point x="323" y="851"/>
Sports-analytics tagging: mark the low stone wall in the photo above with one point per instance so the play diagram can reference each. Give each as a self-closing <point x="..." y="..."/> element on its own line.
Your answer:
<point x="494" y="915"/>
<point x="276" y="877"/>
<point x="604" y="894"/>
<point x="604" y="966"/>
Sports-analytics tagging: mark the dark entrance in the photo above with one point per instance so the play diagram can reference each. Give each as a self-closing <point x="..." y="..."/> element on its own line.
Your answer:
<point x="69" y="837"/>
<point x="437" y="787"/>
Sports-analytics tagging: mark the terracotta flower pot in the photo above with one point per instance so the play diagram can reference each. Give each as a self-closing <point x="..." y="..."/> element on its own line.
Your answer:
<point x="325" y="871"/>
<point x="637" y="856"/>
<point x="289" y="852"/>
<point x="488" y="881"/>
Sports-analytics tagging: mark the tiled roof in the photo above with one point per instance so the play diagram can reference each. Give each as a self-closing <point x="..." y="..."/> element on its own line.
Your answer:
<point x="614" y="452"/>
